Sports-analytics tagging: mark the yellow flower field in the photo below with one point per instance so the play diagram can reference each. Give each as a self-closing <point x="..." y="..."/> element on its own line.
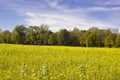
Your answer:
<point x="27" y="62"/>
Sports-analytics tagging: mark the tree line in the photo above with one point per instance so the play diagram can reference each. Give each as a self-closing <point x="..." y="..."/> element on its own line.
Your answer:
<point x="41" y="35"/>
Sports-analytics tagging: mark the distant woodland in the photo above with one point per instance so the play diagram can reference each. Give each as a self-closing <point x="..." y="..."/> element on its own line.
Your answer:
<point x="41" y="35"/>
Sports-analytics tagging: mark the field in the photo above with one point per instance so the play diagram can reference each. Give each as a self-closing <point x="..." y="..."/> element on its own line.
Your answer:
<point x="25" y="62"/>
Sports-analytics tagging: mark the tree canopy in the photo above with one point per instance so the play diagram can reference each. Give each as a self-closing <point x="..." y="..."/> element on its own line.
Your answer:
<point x="41" y="35"/>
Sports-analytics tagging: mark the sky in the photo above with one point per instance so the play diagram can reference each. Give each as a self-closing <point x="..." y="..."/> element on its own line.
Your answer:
<point x="59" y="14"/>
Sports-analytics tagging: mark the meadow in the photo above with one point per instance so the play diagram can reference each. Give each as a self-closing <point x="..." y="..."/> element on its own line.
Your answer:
<point x="27" y="62"/>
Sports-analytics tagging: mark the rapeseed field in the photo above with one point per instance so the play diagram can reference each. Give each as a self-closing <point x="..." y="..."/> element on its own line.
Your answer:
<point x="27" y="62"/>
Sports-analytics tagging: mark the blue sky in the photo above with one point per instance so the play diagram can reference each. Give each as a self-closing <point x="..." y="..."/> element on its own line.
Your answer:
<point x="60" y="14"/>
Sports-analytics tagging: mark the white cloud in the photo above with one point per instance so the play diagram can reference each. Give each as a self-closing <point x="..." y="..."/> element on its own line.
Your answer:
<point x="57" y="21"/>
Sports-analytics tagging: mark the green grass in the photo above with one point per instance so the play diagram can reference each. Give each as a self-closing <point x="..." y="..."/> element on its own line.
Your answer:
<point x="24" y="62"/>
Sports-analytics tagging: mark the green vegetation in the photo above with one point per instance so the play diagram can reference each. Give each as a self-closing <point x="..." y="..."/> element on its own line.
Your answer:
<point x="41" y="35"/>
<point x="23" y="62"/>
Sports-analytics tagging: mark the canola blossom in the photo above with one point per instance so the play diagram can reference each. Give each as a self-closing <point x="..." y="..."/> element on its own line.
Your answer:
<point x="27" y="62"/>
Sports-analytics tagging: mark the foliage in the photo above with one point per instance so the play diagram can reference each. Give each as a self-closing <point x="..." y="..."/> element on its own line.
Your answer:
<point x="63" y="37"/>
<point x="41" y="35"/>
<point x="18" y="34"/>
<point x="117" y="41"/>
<point x="5" y="37"/>
<point x="52" y="39"/>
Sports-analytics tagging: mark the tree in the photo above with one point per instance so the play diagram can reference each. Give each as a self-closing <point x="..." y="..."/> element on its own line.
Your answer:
<point x="75" y="36"/>
<point x="30" y="35"/>
<point x="5" y="37"/>
<point x="37" y="35"/>
<point x="110" y="37"/>
<point x="95" y="37"/>
<point x="52" y="39"/>
<point x="18" y="34"/>
<point x="117" y="41"/>
<point x="73" y="41"/>
<point x="99" y="37"/>
<point x="63" y="37"/>
<point x="43" y="34"/>
<point x="109" y="42"/>
<point x="90" y="42"/>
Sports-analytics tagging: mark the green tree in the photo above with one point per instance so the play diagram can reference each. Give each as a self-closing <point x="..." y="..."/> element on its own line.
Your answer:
<point x="5" y="37"/>
<point x="117" y="41"/>
<point x="109" y="42"/>
<point x="18" y="34"/>
<point x="110" y="37"/>
<point x="63" y="37"/>
<point x="73" y="41"/>
<point x="30" y="35"/>
<point x="37" y="35"/>
<point x="95" y="37"/>
<point x="99" y="38"/>
<point x="75" y="36"/>
<point x="90" y="42"/>
<point x="91" y="39"/>
<point x="52" y="39"/>
<point x="43" y="34"/>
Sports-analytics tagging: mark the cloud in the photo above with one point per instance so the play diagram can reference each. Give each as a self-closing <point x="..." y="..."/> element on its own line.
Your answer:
<point x="58" y="21"/>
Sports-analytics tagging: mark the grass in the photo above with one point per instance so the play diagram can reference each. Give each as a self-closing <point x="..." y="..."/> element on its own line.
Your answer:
<point x="25" y="62"/>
